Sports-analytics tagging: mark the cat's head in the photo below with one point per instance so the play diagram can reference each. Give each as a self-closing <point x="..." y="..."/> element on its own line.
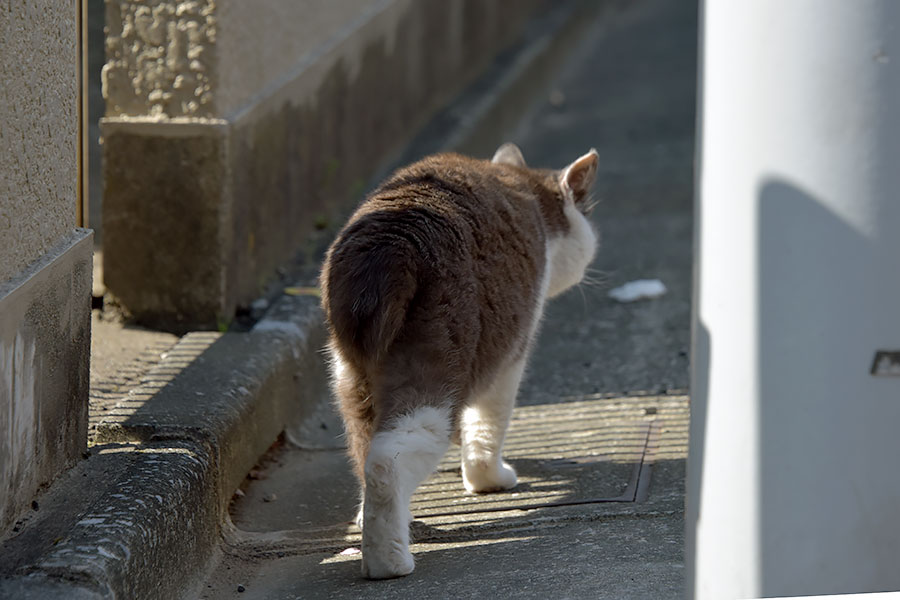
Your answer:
<point x="566" y="203"/>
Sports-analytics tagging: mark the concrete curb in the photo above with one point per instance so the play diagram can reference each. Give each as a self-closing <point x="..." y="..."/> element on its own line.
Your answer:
<point x="169" y="457"/>
<point x="232" y="392"/>
<point x="142" y="536"/>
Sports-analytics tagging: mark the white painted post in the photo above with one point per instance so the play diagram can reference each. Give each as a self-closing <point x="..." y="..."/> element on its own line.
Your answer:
<point x="793" y="485"/>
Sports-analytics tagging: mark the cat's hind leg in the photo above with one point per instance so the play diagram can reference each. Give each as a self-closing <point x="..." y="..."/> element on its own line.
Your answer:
<point x="355" y="405"/>
<point x="402" y="454"/>
<point x="483" y="430"/>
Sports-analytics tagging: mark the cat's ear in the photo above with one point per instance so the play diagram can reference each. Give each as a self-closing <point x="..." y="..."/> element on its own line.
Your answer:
<point x="578" y="177"/>
<point x="509" y="154"/>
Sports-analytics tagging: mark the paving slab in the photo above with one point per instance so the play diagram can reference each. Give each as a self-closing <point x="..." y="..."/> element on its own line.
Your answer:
<point x="121" y="355"/>
<point x="600" y="497"/>
<point x="613" y="558"/>
<point x="597" y="451"/>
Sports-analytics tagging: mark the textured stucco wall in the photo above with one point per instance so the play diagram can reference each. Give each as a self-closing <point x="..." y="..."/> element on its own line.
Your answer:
<point x="38" y="129"/>
<point x="160" y="58"/>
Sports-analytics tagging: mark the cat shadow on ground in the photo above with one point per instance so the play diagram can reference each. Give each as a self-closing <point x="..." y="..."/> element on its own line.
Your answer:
<point x="547" y="548"/>
<point x="578" y="465"/>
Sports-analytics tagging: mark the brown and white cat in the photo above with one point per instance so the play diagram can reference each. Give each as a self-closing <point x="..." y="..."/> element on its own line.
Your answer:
<point x="433" y="292"/>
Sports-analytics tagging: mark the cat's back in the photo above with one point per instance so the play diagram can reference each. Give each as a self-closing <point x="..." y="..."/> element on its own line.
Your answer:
<point x="449" y="238"/>
<point x="446" y="207"/>
<point x="453" y="190"/>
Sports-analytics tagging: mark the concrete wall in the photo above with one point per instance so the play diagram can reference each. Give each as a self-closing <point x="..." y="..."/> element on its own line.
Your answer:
<point x="45" y="341"/>
<point x="235" y="129"/>
<point x="37" y="161"/>
<point x="45" y="262"/>
<point x="294" y="33"/>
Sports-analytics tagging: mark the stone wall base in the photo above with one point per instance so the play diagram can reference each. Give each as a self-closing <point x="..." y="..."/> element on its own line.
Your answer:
<point x="45" y="344"/>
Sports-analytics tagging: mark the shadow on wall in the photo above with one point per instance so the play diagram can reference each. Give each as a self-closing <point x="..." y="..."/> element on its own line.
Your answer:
<point x="826" y="440"/>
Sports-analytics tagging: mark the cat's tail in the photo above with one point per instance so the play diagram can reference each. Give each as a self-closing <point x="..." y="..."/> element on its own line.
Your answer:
<point x="368" y="292"/>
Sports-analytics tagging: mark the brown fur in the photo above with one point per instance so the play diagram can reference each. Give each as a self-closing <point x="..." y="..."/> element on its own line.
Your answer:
<point x="433" y="282"/>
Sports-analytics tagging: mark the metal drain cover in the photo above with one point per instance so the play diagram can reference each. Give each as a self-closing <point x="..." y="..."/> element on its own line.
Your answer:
<point x="564" y="454"/>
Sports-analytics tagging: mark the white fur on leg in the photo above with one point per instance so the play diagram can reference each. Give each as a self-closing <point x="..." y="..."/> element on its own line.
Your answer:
<point x="359" y="513"/>
<point x="484" y="424"/>
<point x="358" y="519"/>
<point x="399" y="459"/>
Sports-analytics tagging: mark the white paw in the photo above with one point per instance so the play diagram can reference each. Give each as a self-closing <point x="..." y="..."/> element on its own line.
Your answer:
<point x="483" y="476"/>
<point x="359" y="519"/>
<point x="386" y="560"/>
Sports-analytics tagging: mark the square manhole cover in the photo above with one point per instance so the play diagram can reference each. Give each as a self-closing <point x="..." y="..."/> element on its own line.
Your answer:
<point x="564" y="454"/>
<point x="582" y="452"/>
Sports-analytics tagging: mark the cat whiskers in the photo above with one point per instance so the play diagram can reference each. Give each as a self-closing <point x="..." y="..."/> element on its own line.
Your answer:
<point x="594" y="281"/>
<point x="588" y="205"/>
<point x="592" y="278"/>
<point x="595" y="278"/>
<point x="583" y="297"/>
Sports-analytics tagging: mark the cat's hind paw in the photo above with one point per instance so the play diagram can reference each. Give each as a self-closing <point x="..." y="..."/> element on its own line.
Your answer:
<point x="481" y="477"/>
<point x="385" y="561"/>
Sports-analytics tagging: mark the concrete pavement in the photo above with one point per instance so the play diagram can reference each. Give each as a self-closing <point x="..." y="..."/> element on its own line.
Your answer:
<point x="597" y="514"/>
<point x="600" y="437"/>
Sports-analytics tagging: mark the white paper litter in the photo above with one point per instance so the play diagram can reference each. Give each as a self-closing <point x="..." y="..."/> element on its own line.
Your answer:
<point x="638" y="290"/>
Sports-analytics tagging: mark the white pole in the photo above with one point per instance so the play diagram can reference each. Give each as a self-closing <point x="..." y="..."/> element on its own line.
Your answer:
<point x="793" y="478"/>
